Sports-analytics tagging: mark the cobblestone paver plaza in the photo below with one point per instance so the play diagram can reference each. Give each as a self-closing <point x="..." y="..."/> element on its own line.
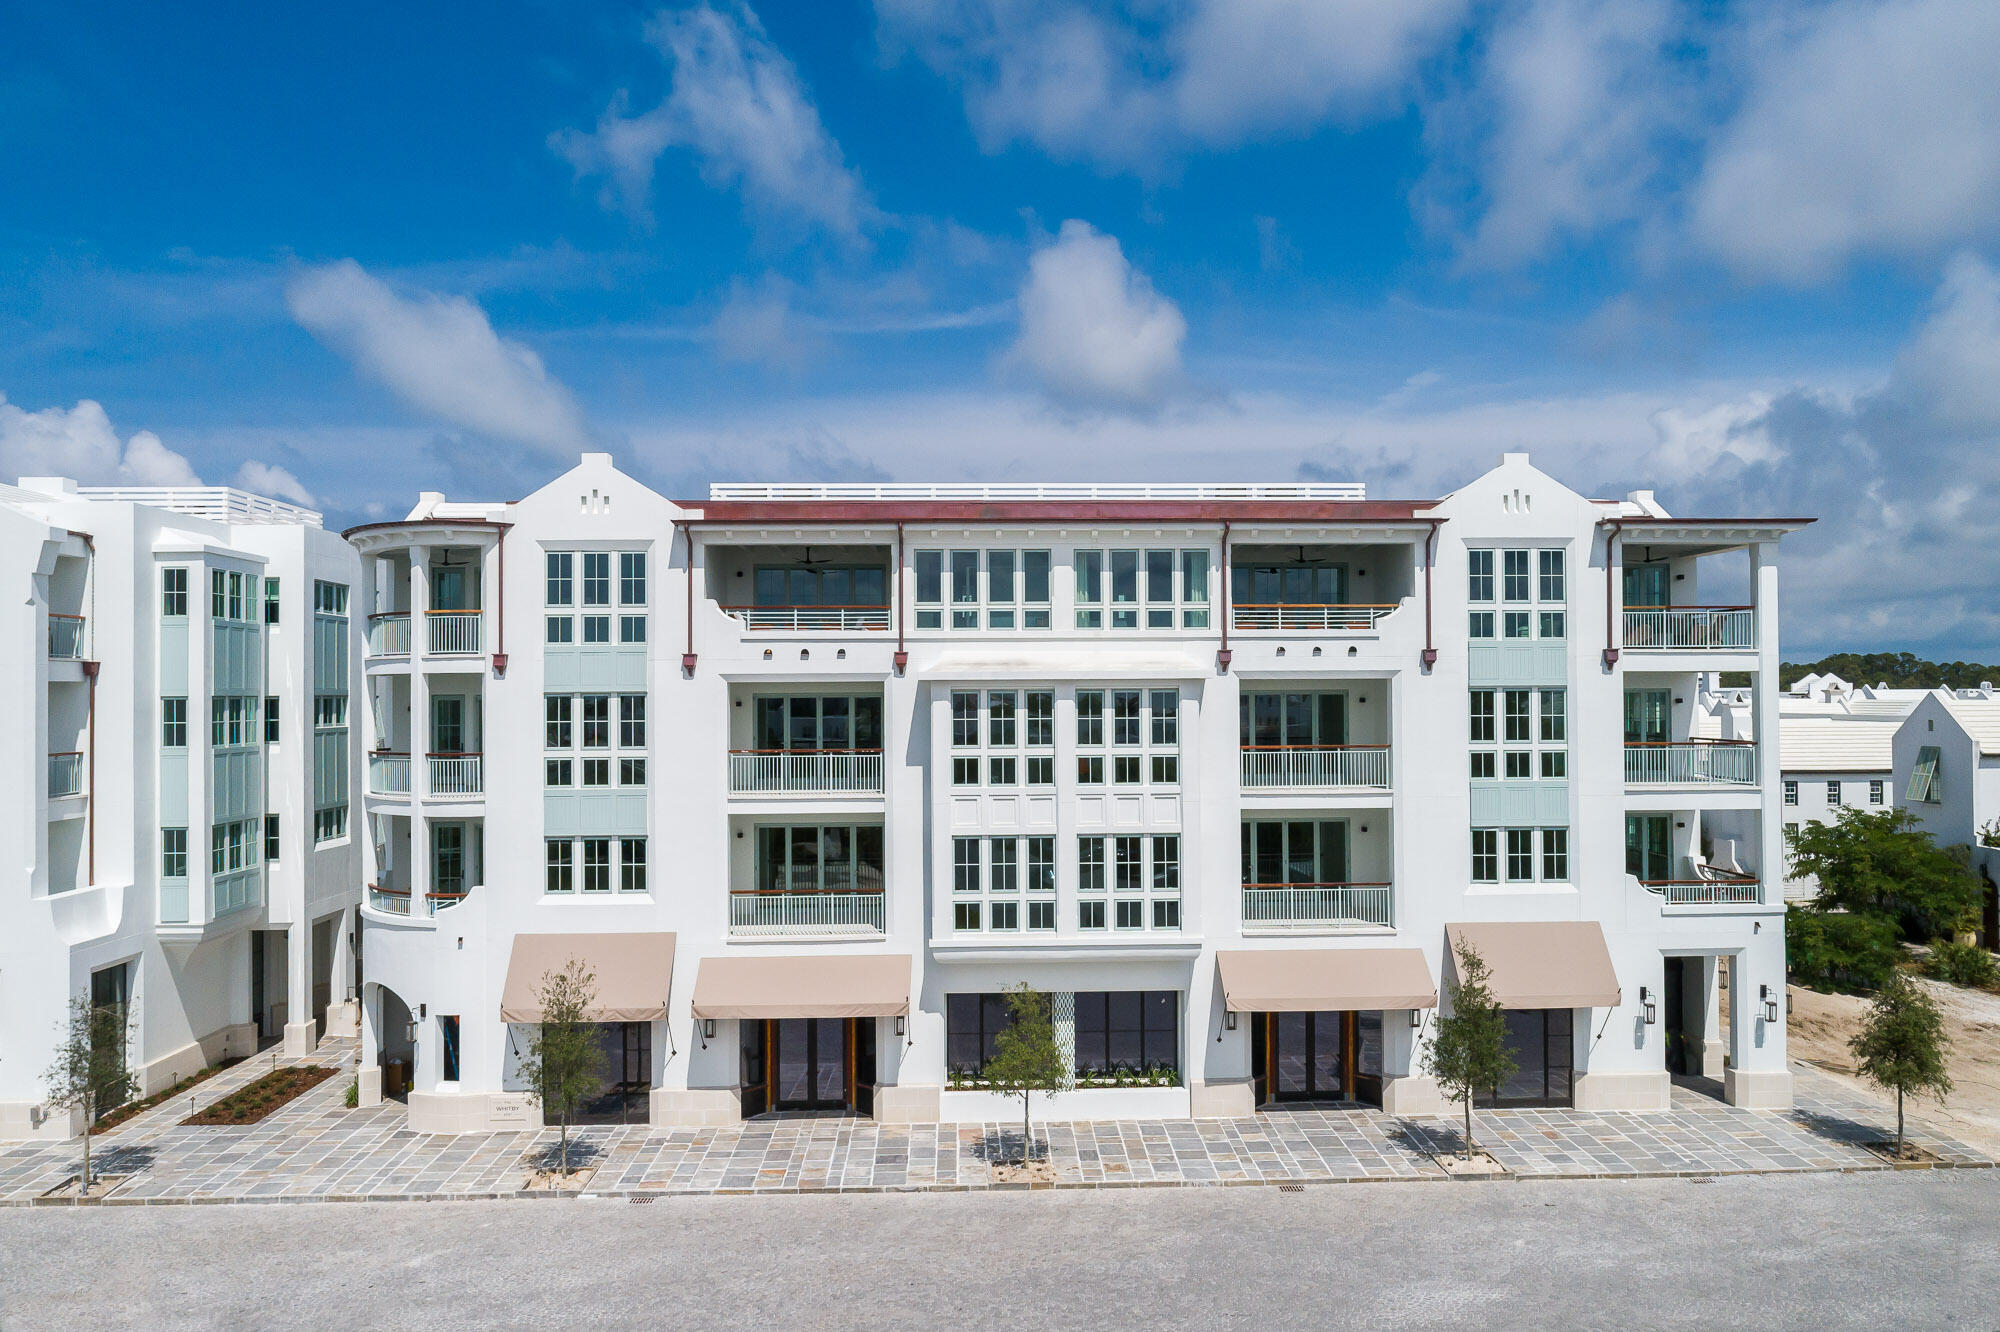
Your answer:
<point x="316" y="1149"/>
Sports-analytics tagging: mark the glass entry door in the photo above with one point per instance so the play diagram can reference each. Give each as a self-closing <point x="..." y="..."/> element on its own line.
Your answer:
<point x="1646" y="585"/>
<point x="1542" y="1044"/>
<point x="1646" y="716"/>
<point x="809" y="1063"/>
<point x="1335" y="1056"/>
<point x="1647" y="839"/>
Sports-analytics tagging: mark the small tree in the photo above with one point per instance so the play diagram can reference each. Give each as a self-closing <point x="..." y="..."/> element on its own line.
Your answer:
<point x="90" y="1072"/>
<point x="1026" y="1058"/>
<point x="1468" y="1049"/>
<point x="1883" y="863"/>
<point x="562" y="1063"/>
<point x="1902" y="1045"/>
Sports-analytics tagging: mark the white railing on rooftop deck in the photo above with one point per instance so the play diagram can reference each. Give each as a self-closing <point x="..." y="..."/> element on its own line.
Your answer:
<point x="222" y="504"/>
<point x="1038" y="490"/>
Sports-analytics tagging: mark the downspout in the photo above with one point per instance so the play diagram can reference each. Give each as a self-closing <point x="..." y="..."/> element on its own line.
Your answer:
<point x="1223" y="656"/>
<point x="1430" y="656"/>
<point x="1614" y="526"/>
<point x="687" y="657"/>
<point x="500" y="607"/>
<point x="902" y="655"/>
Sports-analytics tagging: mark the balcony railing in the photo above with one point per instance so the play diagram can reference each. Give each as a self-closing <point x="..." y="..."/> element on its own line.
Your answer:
<point x="65" y="775"/>
<point x="1724" y="762"/>
<point x="389" y="634"/>
<point x="394" y="901"/>
<point x="452" y="632"/>
<point x="1276" y="767"/>
<point x="756" y="914"/>
<point x="456" y="776"/>
<point x="388" y="774"/>
<point x="436" y="902"/>
<point x="1305" y="615"/>
<point x="65" y="637"/>
<point x="805" y="772"/>
<point x="812" y="619"/>
<point x="1313" y="906"/>
<point x="1717" y="888"/>
<point x="1690" y="628"/>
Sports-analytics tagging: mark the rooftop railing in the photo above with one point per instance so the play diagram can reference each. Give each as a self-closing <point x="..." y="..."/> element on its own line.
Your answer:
<point x="1038" y="490"/>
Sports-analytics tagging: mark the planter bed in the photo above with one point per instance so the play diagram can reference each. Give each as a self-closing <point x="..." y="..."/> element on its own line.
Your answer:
<point x="113" y="1118"/>
<point x="247" y="1105"/>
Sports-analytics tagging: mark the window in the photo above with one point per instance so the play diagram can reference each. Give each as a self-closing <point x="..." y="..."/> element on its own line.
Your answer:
<point x="631" y="772"/>
<point x="1194" y="589"/>
<point x="1520" y="855"/>
<point x="830" y="858"/>
<point x="1479" y="575"/>
<point x="1533" y="734"/>
<point x="272" y="841"/>
<point x="557" y="729"/>
<point x="631" y="628"/>
<point x="559" y="586"/>
<point x="1791" y="791"/>
<point x="174" y="593"/>
<point x="597" y="864"/>
<point x="597" y="772"/>
<point x="1833" y="793"/>
<point x="558" y="772"/>
<point x="173" y="853"/>
<point x="1485" y="855"/>
<point x="235" y="596"/>
<point x="1089" y="569"/>
<point x="632" y="578"/>
<point x="1926" y="782"/>
<point x="631" y="721"/>
<point x="270" y="601"/>
<point x="1875" y="792"/>
<point x="271" y="720"/>
<point x="1014" y="592"/>
<point x="218" y="595"/>
<point x="1555" y="855"/>
<point x="973" y="1023"/>
<point x="597" y="628"/>
<point x="561" y="629"/>
<point x="329" y="598"/>
<point x="596" y="721"/>
<point x="1294" y="852"/>
<point x="1090" y="864"/>
<point x="596" y="578"/>
<point x="807" y="722"/>
<point x="632" y="865"/>
<point x="1126" y="1031"/>
<point x="174" y="723"/>
<point x="1171" y="586"/>
<point x="1534" y="586"/>
<point x="561" y="866"/>
<point x="330" y="824"/>
<point x="930" y="589"/>
<point x="1520" y="862"/>
<point x="448" y="1045"/>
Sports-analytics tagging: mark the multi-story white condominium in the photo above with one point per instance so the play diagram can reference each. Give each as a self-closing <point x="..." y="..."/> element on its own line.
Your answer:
<point x="809" y="775"/>
<point x="174" y="778"/>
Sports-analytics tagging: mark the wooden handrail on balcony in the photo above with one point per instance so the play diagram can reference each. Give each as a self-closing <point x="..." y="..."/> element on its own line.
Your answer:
<point x="1331" y="883"/>
<point x="453" y="610"/>
<point x="805" y="751"/>
<point x="1304" y="748"/>
<point x="389" y="615"/>
<point x="805" y="892"/>
<point x="1691" y="740"/>
<point x="1690" y="608"/>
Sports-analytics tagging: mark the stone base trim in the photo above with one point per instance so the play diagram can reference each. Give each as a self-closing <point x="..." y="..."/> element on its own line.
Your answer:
<point x="343" y="1019"/>
<point x="1412" y="1097"/>
<point x="369" y="1080"/>
<point x="1644" y="1090"/>
<point x="1714" y="1059"/>
<point x="1222" y="1100"/>
<point x="301" y="1038"/>
<point x="695" y="1107"/>
<point x="1769" y="1089"/>
<point x="912" y="1103"/>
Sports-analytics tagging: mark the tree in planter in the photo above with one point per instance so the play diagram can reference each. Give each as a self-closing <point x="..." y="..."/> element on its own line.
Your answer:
<point x="89" y="1072"/>
<point x="562" y="1064"/>
<point x="1902" y="1045"/>
<point x="1468" y="1049"/>
<point x="1026" y="1058"/>
<point x="1883" y="863"/>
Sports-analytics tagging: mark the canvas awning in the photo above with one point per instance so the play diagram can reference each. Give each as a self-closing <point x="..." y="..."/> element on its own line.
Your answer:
<point x="1542" y="963"/>
<point x="633" y="974"/>
<point x="869" y="985"/>
<point x="1324" y="980"/>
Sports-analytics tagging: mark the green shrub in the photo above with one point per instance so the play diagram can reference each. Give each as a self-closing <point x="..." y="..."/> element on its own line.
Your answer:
<point x="1838" y="950"/>
<point x="1962" y="964"/>
<point x="354" y="1094"/>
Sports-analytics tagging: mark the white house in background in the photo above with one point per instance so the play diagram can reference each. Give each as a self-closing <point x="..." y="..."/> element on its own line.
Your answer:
<point x="808" y="774"/>
<point x="174" y="777"/>
<point x="1947" y="755"/>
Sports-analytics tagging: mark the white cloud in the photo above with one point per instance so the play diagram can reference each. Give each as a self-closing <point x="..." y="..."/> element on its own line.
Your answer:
<point x="758" y="323"/>
<point x="264" y="478"/>
<point x="79" y="442"/>
<point x="1093" y="330"/>
<point x="1875" y="128"/>
<point x="440" y="355"/>
<point x="1953" y="364"/>
<point x="738" y="104"/>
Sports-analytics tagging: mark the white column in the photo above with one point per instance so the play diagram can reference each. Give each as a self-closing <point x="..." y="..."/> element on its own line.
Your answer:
<point x="419" y="732"/>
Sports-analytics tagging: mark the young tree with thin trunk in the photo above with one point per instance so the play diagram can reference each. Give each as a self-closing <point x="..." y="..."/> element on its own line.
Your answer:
<point x="90" y="1072"/>
<point x="1468" y="1049"/>
<point x="562" y="1065"/>
<point x="1902" y="1045"/>
<point x="1026" y="1058"/>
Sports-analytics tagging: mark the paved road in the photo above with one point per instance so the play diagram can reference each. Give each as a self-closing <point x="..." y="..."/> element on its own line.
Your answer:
<point x="1902" y="1250"/>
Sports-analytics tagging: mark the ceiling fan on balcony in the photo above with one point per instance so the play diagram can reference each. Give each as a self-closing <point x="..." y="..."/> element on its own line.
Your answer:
<point x="807" y="558"/>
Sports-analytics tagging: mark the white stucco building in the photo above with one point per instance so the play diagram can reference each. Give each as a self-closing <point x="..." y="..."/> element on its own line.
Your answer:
<point x="808" y="775"/>
<point x="1947" y="768"/>
<point x="174" y="777"/>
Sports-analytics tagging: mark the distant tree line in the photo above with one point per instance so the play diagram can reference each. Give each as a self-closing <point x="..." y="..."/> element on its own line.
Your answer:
<point x="1898" y="670"/>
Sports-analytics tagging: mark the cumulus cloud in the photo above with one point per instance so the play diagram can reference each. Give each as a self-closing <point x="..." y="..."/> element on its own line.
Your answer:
<point x="269" y="479"/>
<point x="440" y="355"/>
<point x="79" y="442"/>
<point x="740" y="107"/>
<point x="1094" y="333"/>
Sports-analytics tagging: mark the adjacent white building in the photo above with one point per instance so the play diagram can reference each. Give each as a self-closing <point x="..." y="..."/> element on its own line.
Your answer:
<point x="1947" y="765"/>
<point x="807" y="775"/>
<point x="174" y="778"/>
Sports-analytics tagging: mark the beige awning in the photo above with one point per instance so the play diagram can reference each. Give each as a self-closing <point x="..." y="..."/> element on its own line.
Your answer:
<point x="1542" y="963"/>
<point x="633" y="974"/>
<point x="1325" y="980"/>
<point x="870" y="985"/>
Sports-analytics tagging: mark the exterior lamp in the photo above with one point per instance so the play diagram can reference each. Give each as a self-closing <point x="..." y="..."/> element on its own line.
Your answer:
<point x="901" y="1023"/>
<point x="1416" y="1017"/>
<point x="708" y="1029"/>
<point x="1647" y="1005"/>
<point x="1229" y="1019"/>
<point x="1770" y="1003"/>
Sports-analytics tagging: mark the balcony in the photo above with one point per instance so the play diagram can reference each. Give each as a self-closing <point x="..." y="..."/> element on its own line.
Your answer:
<point x="1316" y="906"/>
<point x="1690" y="629"/>
<point x="811" y="619"/>
<point x="1691" y="762"/>
<point x="1306" y="616"/>
<point x="65" y="775"/>
<point x="451" y="632"/>
<point x="388" y="774"/>
<point x="774" y="913"/>
<point x="389" y="634"/>
<point x="456" y="776"/>
<point x="805" y="772"/>
<point x="1315" y="767"/>
<point x="1710" y="887"/>
<point x="436" y="902"/>
<point x="65" y="637"/>
<point x="390" y="901"/>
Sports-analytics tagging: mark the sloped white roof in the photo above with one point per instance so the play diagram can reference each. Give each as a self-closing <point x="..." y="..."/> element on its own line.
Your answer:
<point x="1981" y="719"/>
<point x="1833" y="743"/>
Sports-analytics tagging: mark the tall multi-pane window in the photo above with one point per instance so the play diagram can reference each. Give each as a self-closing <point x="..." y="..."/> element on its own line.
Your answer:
<point x="1519" y="734"/>
<point x="173" y="853"/>
<point x="1530" y="854"/>
<point x="595" y="765"/>
<point x="597" y="578"/>
<point x="174" y="593"/>
<point x="561" y="866"/>
<point x="174" y="723"/>
<point x="1485" y="855"/>
<point x="270" y="601"/>
<point x="632" y="864"/>
<point x="1532" y="596"/>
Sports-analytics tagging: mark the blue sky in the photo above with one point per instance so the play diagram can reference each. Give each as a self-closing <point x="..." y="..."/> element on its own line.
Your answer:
<point x="1744" y="254"/>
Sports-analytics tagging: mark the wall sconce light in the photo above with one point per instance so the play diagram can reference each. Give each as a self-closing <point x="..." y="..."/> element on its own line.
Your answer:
<point x="1647" y="1006"/>
<point x="1416" y="1017"/>
<point x="708" y="1029"/>
<point x="1770" y="1004"/>
<point x="902" y="1024"/>
<point x="423" y="1010"/>
<point x="1229" y="1019"/>
<point x="410" y="1031"/>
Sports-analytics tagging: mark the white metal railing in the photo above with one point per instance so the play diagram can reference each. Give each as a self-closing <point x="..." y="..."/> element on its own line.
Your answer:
<point x="1038" y="490"/>
<point x="1715" y="889"/>
<point x="812" y="619"/>
<point x="805" y="772"/>
<point x="1267" y="767"/>
<point x="65" y="637"/>
<point x="223" y="504"/>
<point x="456" y="775"/>
<point x="1696" y="628"/>
<point x="1728" y="762"/>
<point x="65" y="775"/>
<point x="395" y="901"/>
<point x="452" y="631"/>
<point x="388" y="774"/>
<point x="389" y="634"/>
<point x="436" y="902"/>
<point x="1305" y="615"/>
<point x="1315" y="905"/>
<point x="753" y="914"/>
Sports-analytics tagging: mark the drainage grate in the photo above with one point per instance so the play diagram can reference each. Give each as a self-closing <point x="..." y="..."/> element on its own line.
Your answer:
<point x="642" y="1198"/>
<point x="1291" y="1188"/>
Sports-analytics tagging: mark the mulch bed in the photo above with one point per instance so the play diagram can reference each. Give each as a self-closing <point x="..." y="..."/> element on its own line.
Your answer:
<point x="1912" y="1153"/>
<point x="247" y="1105"/>
<point x="113" y="1118"/>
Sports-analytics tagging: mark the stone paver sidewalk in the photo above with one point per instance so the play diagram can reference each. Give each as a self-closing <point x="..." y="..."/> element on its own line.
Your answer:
<point x="316" y="1149"/>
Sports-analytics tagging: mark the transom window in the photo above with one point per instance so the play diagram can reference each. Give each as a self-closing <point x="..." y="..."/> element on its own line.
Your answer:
<point x="1533" y="593"/>
<point x="1519" y="734"/>
<point x="999" y="589"/>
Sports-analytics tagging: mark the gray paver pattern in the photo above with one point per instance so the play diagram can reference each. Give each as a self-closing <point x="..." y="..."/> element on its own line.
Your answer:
<point x="315" y="1148"/>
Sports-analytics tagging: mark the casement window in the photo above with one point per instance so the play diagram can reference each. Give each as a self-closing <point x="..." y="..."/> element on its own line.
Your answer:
<point x="559" y="583"/>
<point x="597" y="578"/>
<point x="1533" y="593"/>
<point x="596" y="709"/>
<point x="561" y="866"/>
<point x="272" y="841"/>
<point x="271" y="727"/>
<point x="558" y="730"/>
<point x="1791" y="791"/>
<point x="1485" y="855"/>
<point x="173" y="853"/>
<point x="631" y="721"/>
<point x="1149" y="589"/>
<point x="1520" y="855"/>
<point x="1875" y="792"/>
<point x="632" y="864"/>
<point x="596" y="771"/>
<point x="174" y="593"/>
<point x="632" y="578"/>
<point x="558" y="772"/>
<point x="1555" y="855"/>
<point x="597" y="864"/>
<point x="561" y="629"/>
<point x="1926" y="781"/>
<point x="270" y="601"/>
<point x="1833" y="793"/>
<point x="173" y="723"/>
<point x="1519" y="734"/>
<point x="994" y="589"/>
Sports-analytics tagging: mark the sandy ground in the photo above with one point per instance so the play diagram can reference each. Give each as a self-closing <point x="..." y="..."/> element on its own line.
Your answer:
<point x="1822" y="1024"/>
